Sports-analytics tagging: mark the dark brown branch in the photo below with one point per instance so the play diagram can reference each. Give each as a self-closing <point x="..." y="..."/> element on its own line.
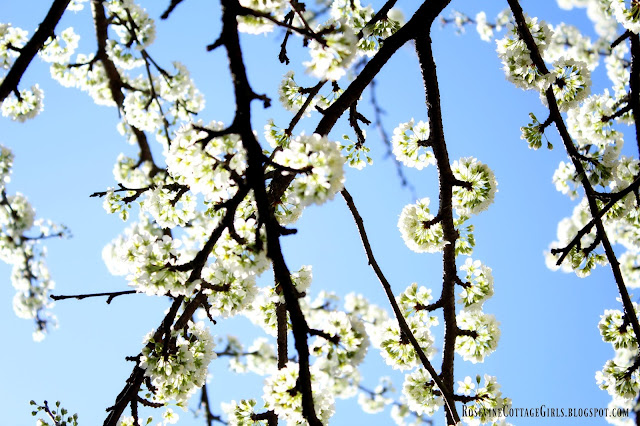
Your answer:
<point x="282" y="56"/>
<point x="634" y="84"/>
<point x="269" y="416"/>
<point x="404" y="327"/>
<point x="282" y="321"/>
<point x="471" y="333"/>
<point x="110" y="295"/>
<point x="379" y="16"/>
<point x="431" y="307"/>
<point x="30" y="50"/>
<point x="198" y="262"/>
<point x="378" y="112"/>
<point x="204" y="404"/>
<point x="424" y="16"/>
<point x="466" y="399"/>
<point x="445" y="213"/>
<point x="49" y="413"/>
<point x="306" y="32"/>
<point x="116" y="83"/>
<point x="590" y="193"/>
<point x="620" y="39"/>
<point x="256" y="180"/>
<point x="354" y="117"/>
<point x="619" y="113"/>
<point x="326" y="336"/>
<point x="172" y="6"/>
<point x="303" y="109"/>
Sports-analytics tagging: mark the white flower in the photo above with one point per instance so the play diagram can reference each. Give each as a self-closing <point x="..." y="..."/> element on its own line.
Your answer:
<point x="331" y="60"/>
<point x="411" y="149"/>
<point x="419" y="389"/>
<point x="481" y="189"/>
<point x="466" y="387"/>
<point x="482" y="338"/>
<point x="418" y="229"/>
<point x="282" y="395"/>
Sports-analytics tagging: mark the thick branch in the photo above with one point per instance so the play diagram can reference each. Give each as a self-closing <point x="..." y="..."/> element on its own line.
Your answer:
<point x="445" y="213"/>
<point x="30" y="50"/>
<point x="634" y="84"/>
<point x="423" y="17"/>
<point x="115" y="79"/>
<point x="256" y="180"/>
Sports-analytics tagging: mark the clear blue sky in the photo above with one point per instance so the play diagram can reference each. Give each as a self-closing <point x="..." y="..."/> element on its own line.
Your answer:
<point x="550" y="347"/>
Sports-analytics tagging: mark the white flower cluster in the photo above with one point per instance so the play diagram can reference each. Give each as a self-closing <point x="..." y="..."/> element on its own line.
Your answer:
<point x="375" y="401"/>
<point x="207" y="166"/>
<point x="283" y="397"/>
<point x="484" y="31"/>
<point x="418" y="229"/>
<point x="20" y="246"/>
<point x="55" y="52"/>
<point x="26" y="103"/>
<point x="616" y="331"/>
<point x="169" y="208"/>
<point x="230" y="288"/>
<point x="619" y="376"/>
<point x="628" y="16"/>
<point x="484" y="333"/>
<point x="259" y="358"/>
<point x="418" y="388"/>
<point x="318" y="167"/>
<point x="516" y="57"/>
<point x="396" y="349"/>
<point x="179" y="371"/>
<point x="483" y="186"/>
<point x="479" y="284"/>
<point x="146" y="257"/>
<point x="240" y="413"/>
<point x="488" y="400"/>
<point x="579" y="261"/>
<point x="356" y="17"/>
<point x="572" y="83"/>
<point x="88" y="76"/>
<point x="290" y="95"/>
<point x="23" y="107"/>
<point x="599" y="142"/>
<point x="329" y="60"/>
<point x="351" y="345"/>
<point x="262" y="311"/>
<point x="414" y="303"/>
<point x="570" y="78"/>
<point x="618" y="70"/>
<point x="599" y="12"/>
<point x="568" y="42"/>
<point x="411" y="149"/>
<point x="11" y="40"/>
<point x="251" y="24"/>
<point x="131" y="23"/>
<point x="151" y="102"/>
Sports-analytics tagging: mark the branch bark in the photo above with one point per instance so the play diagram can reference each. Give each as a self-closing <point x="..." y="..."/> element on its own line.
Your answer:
<point x="30" y="50"/>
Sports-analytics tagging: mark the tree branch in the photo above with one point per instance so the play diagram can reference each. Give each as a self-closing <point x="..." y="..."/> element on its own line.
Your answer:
<point x="404" y="327"/>
<point x="590" y="194"/>
<point x="111" y="295"/>
<point x="30" y="50"/>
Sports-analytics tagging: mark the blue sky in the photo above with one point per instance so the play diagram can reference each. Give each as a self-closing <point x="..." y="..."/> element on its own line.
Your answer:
<point x="550" y="347"/>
